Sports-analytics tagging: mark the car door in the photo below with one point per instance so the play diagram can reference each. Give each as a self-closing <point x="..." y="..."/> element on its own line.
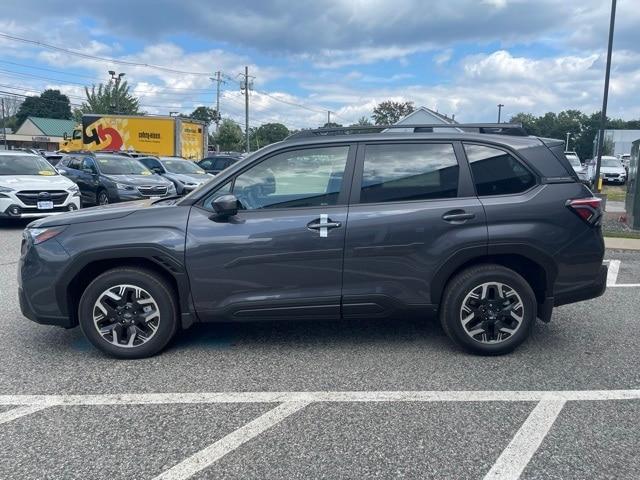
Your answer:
<point x="412" y="210"/>
<point x="282" y="254"/>
<point x="88" y="180"/>
<point x="69" y="167"/>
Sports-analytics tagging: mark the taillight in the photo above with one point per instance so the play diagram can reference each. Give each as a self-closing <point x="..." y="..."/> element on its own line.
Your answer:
<point x="588" y="209"/>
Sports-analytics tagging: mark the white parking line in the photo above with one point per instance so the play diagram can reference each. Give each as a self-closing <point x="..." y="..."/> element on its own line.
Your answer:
<point x="612" y="276"/>
<point x="214" y="452"/>
<point x="329" y="396"/>
<point x="516" y="456"/>
<point x="20" y="412"/>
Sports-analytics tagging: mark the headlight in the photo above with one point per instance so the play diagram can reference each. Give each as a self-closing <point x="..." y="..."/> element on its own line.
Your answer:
<point x="75" y="191"/>
<point x="5" y="189"/>
<point x="171" y="187"/>
<point x="40" y="235"/>
<point x="124" y="186"/>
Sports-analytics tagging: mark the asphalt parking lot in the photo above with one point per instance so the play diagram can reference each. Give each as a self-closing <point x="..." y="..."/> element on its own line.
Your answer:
<point x="365" y="399"/>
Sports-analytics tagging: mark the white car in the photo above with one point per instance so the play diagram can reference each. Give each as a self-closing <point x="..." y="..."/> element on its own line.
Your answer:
<point x="31" y="188"/>
<point x="612" y="170"/>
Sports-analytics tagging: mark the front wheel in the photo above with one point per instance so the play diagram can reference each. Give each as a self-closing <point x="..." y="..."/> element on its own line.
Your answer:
<point x="488" y="309"/>
<point x="103" y="198"/>
<point x="128" y="313"/>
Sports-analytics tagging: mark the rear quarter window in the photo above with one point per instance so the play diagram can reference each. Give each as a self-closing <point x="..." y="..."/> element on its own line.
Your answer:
<point x="497" y="172"/>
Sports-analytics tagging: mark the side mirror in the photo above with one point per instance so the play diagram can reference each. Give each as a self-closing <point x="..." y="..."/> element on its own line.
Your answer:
<point x="157" y="170"/>
<point x="65" y="137"/>
<point x="89" y="171"/>
<point x="226" y="206"/>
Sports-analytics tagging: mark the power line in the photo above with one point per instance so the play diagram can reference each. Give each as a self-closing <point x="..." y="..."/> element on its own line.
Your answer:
<point x="95" y="57"/>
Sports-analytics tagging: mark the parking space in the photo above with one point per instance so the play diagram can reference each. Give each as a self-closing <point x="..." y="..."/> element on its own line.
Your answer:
<point x="233" y="401"/>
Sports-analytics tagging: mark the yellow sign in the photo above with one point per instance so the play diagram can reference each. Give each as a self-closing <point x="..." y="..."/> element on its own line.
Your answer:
<point x="154" y="136"/>
<point x="191" y="140"/>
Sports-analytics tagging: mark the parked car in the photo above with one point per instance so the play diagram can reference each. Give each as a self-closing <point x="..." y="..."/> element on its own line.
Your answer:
<point x="612" y="170"/>
<point x="30" y="187"/>
<point x="107" y="178"/>
<point x="625" y="159"/>
<point x="488" y="231"/>
<point x="217" y="163"/>
<point x="581" y="169"/>
<point x="185" y="174"/>
<point x="52" y="157"/>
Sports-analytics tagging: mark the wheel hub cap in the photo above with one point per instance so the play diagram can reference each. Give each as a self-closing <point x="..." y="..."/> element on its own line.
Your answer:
<point x="491" y="312"/>
<point x="126" y="316"/>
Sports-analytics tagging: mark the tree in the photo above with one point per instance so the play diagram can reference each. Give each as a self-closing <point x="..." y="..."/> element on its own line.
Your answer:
<point x="229" y="137"/>
<point x="362" y="122"/>
<point x="389" y="112"/>
<point x="11" y="107"/>
<point x="331" y="125"/>
<point x="110" y="98"/>
<point x="204" y="114"/>
<point x="49" y="104"/>
<point x="268" y="133"/>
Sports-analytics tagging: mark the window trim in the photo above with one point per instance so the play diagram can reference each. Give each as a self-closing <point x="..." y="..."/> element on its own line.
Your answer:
<point x="359" y="170"/>
<point x="536" y="175"/>
<point x="343" y="195"/>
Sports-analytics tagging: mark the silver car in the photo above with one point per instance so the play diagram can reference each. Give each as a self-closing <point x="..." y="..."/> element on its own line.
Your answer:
<point x="185" y="174"/>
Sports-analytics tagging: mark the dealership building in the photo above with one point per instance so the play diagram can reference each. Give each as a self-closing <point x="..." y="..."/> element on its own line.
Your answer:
<point x="37" y="132"/>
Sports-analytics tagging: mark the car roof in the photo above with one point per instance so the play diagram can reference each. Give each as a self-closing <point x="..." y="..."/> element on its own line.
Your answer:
<point x="19" y="152"/>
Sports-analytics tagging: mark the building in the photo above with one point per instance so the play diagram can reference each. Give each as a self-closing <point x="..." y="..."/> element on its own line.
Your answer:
<point x="37" y="132"/>
<point x="620" y="139"/>
<point x="424" y="116"/>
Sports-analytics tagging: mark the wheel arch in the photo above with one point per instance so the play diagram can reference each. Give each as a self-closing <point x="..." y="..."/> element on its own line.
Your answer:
<point x="536" y="267"/>
<point x="84" y="270"/>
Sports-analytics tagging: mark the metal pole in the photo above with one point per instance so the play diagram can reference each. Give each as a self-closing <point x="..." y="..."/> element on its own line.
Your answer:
<point x="217" y="101"/>
<point x="605" y="99"/>
<point x="500" y="111"/>
<point x="246" y="106"/>
<point x="4" y="126"/>
<point x="566" y="145"/>
<point x="328" y="118"/>
<point x="116" y="94"/>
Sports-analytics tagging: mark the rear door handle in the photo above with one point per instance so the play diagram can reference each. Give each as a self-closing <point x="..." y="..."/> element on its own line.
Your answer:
<point x="323" y="224"/>
<point x="458" y="216"/>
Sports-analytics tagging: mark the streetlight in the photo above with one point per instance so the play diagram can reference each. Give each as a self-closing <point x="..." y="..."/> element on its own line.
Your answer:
<point x="115" y="78"/>
<point x="603" y="114"/>
<point x="566" y="145"/>
<point x="500" y="105"/>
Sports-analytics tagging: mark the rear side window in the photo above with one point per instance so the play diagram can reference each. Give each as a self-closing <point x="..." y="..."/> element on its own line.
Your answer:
<point x="75" y="163"/>
<point x="496" y="172"/>
<point x="397" y="172"/>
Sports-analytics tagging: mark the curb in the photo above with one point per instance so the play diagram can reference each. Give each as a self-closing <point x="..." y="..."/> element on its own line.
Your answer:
<point x="615" y="243"/>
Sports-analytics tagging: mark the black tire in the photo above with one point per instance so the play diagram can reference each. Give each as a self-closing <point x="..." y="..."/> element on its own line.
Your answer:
<point x="464" y="283"/>
<point x="160" y="291"/>
<point x="102" y="198"/>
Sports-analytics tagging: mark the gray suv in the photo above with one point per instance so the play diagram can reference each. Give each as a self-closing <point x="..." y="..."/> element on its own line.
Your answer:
<point x="483" y="226"/>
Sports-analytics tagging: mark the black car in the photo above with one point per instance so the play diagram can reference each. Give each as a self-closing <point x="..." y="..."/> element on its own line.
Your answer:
<point x="217" y="163"/>
<point x="106" y="178"/>
<point x="484" y="227"/>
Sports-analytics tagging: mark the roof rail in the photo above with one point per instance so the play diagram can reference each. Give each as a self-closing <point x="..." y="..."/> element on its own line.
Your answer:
<point x="515" y="129"/>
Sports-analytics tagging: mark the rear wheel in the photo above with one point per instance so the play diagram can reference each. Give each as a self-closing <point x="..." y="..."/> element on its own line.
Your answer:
<point x="128" y="313"/>
<point x="488" y="309"/>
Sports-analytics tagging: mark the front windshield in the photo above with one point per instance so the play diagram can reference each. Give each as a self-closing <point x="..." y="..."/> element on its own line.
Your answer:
<point x="610" y="162"/>
<point x="573" y="160"/>
<point x="115" y="165"/>
<point x="25" y="165"/>
<point x="181" y="166"/>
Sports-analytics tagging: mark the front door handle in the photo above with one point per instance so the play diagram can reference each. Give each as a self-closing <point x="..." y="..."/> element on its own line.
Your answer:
<point x="323" y="224"/>
<point x="458" y="216"/>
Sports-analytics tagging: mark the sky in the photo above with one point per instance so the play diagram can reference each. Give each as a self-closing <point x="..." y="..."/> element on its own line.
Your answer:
<point x="459" y="57"/>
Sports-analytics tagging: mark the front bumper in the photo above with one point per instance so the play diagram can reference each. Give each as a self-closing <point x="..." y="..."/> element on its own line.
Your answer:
<point x="12" y="207"/>
<point x="593" y="290"/>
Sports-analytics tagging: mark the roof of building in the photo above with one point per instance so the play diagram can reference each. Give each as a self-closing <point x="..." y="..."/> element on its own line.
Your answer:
<point x="53" y="127"/>
<point x="438" y="116"/>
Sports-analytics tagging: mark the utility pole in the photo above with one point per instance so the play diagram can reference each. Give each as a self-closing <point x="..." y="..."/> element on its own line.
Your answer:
<point x="328" y="118"/>
<point x="500" y="105"/>
<point x="605" y="99"/>
<point x="4" y="126"/>
<point x="566" y="145"/>
<point x="218" y="81"/>
<point x="245" y="87"/>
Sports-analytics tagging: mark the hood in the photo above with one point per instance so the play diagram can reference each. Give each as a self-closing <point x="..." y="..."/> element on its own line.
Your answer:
<point x="35" y="182"/>
<point x="94" y="214"/>
<point x="189" y="177"/>
<point x="619" y="169"/>
<point x="139" y="179"/>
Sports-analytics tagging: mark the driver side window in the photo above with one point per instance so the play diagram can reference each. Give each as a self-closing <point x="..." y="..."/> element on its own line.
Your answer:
<point x="299" y="178"/>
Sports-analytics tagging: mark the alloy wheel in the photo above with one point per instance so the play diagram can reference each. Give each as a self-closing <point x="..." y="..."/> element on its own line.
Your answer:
<point x="491" y="312"/>
<point x="103" y="199"/>
<point x="126" y="316"/>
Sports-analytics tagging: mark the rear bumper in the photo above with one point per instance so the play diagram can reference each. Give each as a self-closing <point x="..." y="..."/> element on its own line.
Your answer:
<point x="594" y="290"/>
